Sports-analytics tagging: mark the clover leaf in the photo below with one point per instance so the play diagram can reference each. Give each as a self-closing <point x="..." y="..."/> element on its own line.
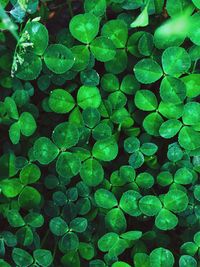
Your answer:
<point x="84" y="27"/>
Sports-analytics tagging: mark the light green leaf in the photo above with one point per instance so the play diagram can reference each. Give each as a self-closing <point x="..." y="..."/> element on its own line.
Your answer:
<point x="145" y="100"/>
<point x="84" y="27"/>
<point x="147" y="71"/>
<point x="106" y="149"/>
<point x="105" y="199"/>
<point x="58" y="58"/>
<point x="142" y="20"/>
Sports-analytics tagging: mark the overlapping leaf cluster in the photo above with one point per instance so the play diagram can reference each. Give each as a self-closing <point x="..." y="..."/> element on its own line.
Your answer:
<point x="100" y="133"/>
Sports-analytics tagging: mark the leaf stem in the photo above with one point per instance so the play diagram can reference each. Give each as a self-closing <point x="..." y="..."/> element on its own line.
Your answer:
<point x="69" y="3"/>
<point x="194" y="66"/>
<point x="54" y="250"/>
<point x="45" y="238"/>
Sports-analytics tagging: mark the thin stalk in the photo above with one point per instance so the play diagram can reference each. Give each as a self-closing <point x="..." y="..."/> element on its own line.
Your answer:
<point x="69" y="3"/>
<point x="44" y="239"/>
<point x="194" y="66"/>
<point x="55" y="249"/>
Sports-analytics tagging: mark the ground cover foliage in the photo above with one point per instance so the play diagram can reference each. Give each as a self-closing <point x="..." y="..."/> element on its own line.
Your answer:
<point x="99" y="133"/>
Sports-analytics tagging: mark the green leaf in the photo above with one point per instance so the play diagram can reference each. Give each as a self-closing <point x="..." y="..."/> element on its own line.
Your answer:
<point x="176" y="8"/>
<point x="119" y="63"/>
<point x="174" y="153"/>
<point x="176" y="200"/>
<point x="191" y="113"/>
<point x="78" y="225"/>
<point x="127" y="174"/>
<point x="145" y="100"/>
<point x="90" y="77"/>
<point x="27" y="124"/>
<point x="141" y="259"/>
<point x="145" y="44"/>
<point x="34" y="219"/>
<point x="136" y="160"/>
<point x="132" y="44"/>
<point x="129" y="203"/>
<point x="129" y="84"/>
<point x="86" y="251"/>
<point x="21" y="257"/>
<point x="102" y="131"/>
<point x="117" y="100"/>
<point x="170" y="128"/>
<point x="9" y="239"/>
<point x="82" y="57"/>
<point x="172" y="90"/>
<point x="196" y="3"/>
<point x="38" y="35"/>
<point x="92" y="172"/>
<point x="103" y="49"/>
<point x="7" y="23"/>
<point x="145" y="180"/>
<point x="170" y="110"/>
<point x="166" y="220"/>
<point x="131" y="144"/>
<point x="142" y="20"/>
<point x="43" y="257"/>
<point x="71" y="258"/>
<point x="187" y="260"/>
<point x="115" y="221"/>
<point x="197" y="192"/>
<point x="69" y="242"/>
<point x="148" y="149"/>
<point x="30" y="68"/>
<point x="14" y="218"/>
<point x="109" y="82"/>
<point x="58" y="58"/>
<point x="65" y="135"/>
<point x="131" y="235"/>
<point x="194" y="32"/>
<point x="120" y="264"/>
<point x="106" y="149"/>
<point x="4" y="263"/>
<point x="188" y="138"/>
<point x="175" y="61"/>
<point x="30" y="174"/>
<point x="11" y="187"/>
<point x="97" y="7"/>
<point x="147" y="71"/>
<point x="161" y="255"/>
<point x="11" y="108"/>
<point x="152" y="123"/>
<point x="164" y="178"/>
<point x="192" y="82"/>
<point x="58" y="226"/>
<point x="183" y="176"/>
<point x="172" y="32"/>
<point x="44" y="150"/>
<point x="14" y="133"/>
<point x="150" y="205"/>
<point x="25" y="236"/>
<point x="91" y="117"/>
<point x="88" y="96"/>
<point x="189" y="248"/>
<point x="68" y="165"/>
<point x="29" y="198"/>
<point x="118" y="248"/>
<point x="105" y="199"/>
<point x="106" y="242"/>
<point x="60" y="101"/>
<point x="117" y="31"/>
<point x="84" y="27"/>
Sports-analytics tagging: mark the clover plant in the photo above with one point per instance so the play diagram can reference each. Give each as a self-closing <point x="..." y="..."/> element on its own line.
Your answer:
<point x="99" y="133"/>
